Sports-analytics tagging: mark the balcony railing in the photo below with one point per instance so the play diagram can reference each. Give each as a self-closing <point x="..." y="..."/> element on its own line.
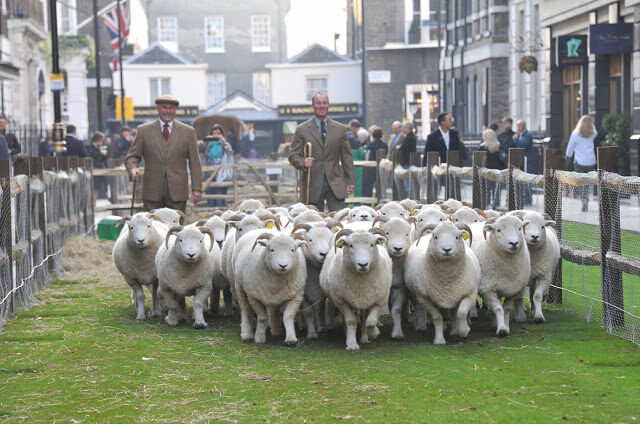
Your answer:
<point x="26" y="9"/>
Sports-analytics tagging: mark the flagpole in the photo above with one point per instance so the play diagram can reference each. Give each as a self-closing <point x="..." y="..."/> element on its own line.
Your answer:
<point x="96" y="36"/>
<point x="119" y="15"/>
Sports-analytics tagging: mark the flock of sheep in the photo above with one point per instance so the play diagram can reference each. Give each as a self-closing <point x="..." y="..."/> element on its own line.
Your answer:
<point x="281" y="264"/>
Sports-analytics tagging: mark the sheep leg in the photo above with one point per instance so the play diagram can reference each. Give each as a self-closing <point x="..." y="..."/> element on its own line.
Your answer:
<point x="261" y="326"/>
<point x="274" y="321"/>
<point x="351" y="322"/>
<point x="199" y="305"/>
<point x="521" y="315"/>
<point x="170" y="304"/>
<point x="307" y="311"/>
<point x="214" y="301"/>
<point x="228" y="302"/>
<point x="330" y="314"/>
<point x="319" y="313"/>
<point x="420" y="321"/>
<point x="246" y="328"/>
<point x="438" y="321"/>
<point x="182" y="308"/>
<point x="460" y="317"/>
<point x="473" y="312"/>
<point x="508" y="304"/>
<point x="138" y="295"/>
<point x="371" y="324"/>
<point x="399" y="300"/>
<point x="290" y="310"/>
<point x="156" y="309"/>
<point x="541" y="287"/>
<point x="492" y="301"/>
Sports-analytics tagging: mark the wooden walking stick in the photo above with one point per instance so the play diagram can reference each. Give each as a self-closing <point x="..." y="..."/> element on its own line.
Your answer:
<point x="133" y="193"/>
<point x="308" y="149"/>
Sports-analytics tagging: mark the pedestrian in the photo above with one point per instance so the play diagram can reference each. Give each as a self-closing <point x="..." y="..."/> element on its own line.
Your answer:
<point x="491" y="145"/>
<point x="331" y="164"/>
<point x="98" y="152"/>
<point x="75" y="147"/>
<point x="523" y="139"/>
<point x="166" y="145"/>
<point x="581" y="147"/>
<point x="4" y="149"/>
<point x="444" y="139"/>
<point x="354" y="126"/>
<point x="506" y="139"/>
<point x="369" y="174"/>
<point x="120" y="147"/>
<point x="219" y="153"/>
<point x="45" y="147"/>
<point x="248" y="141"/>
<point x="12" y="141"/>
<point x="395" y="139"/>
<point x="408" y="146"/>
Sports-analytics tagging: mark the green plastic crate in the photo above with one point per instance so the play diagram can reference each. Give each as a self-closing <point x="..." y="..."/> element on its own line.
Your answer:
<point x="107" y="229"/>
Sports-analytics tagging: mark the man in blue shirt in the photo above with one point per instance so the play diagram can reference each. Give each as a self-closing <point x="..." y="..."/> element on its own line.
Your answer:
<point x="4" y="149"/>
<point x="75" y="147"/>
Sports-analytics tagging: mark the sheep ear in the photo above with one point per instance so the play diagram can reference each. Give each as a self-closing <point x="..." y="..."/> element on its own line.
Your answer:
<point x="156" y="217"/>
<point x="339" y="244"/>
<point x="301" y="243"/>
<point x="229" y="225"/>
<point x="413" y="212"/>
<point x="183" y="217"/>
<point x="380" y="240"/>
<point x="122" y="220"/>
<point x="487" y="228"/>
<point x="550" y="223"/>
<point x="525" y="223"/>
<point x="201" y="223"/>
<point x="170" y="233"/>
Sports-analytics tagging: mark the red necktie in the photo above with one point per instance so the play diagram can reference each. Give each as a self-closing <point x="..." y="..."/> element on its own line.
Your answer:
<point x="165" y="132"/>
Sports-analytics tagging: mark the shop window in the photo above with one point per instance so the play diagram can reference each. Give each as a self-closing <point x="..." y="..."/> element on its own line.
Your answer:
<point x="571" y="98"/>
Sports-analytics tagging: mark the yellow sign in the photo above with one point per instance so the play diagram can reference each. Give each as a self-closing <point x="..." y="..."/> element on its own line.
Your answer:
<point x="128" y="109"/>
<point x="57" y="83"/>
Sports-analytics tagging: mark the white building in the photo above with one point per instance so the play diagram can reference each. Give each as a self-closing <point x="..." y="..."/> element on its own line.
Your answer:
<point x="316" y="68"/>
<point x="156" y="71"/>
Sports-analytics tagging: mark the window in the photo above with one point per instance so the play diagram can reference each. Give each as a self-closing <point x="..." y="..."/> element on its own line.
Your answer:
<point x="571" y="98"/>
<point x="158" y="87"/>
<point x="168" y="32"/>
<point x="261" y="87"/>
<point x="260" y="33"/>
<point x="315" y="83"/>
<point x="66" y="16"/>
<point x="214" y="34"/>
<point x="217" y="88"/>
<point x="615" y="83"/>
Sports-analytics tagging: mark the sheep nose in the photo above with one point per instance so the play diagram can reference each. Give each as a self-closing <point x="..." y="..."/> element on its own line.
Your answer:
<point x="513" y="244"/>
<point x="323" y="254"/>
<point x="220" y="243"/>
<point x="140" y="241"/>
<point x="282" y="267"/>
<point x="446" y="249"/>
<point x="363" y="266"/>
<point x="534" y="238"/>
<point x="397" y="249"/>
<point x="191" y="255"/>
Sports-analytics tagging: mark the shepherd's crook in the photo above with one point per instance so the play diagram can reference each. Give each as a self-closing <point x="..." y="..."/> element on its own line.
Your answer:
<point x="308" y="148"/>
<point x="133" y="194"/>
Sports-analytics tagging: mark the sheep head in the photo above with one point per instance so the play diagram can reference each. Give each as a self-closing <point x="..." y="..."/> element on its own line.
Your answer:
<point x="360" y="248"/>
<point x="280" y="254"/>
<point x="506" y="233"/>
<point x="447" y="241"/>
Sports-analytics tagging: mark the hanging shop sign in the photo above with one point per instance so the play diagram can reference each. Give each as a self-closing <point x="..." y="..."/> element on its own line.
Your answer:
<point x="572" y="49"/>
<point x="611" y="38"/>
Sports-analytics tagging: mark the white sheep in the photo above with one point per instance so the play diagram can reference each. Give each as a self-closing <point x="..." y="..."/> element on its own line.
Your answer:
<point x="398" y="234"/>
<point x="362" y="213"/>
<point x="468" y="216"/>
<point x="411" y="204"/>
<point x="187" y="264"/>
<point x="270" y="277"/>
<point x="249" y="205"/>
<point x="170" y="217"/>
<point x="490" y="213"/>
<point x="134" y="255"/>
<point x="319" y="240"/>
<point x="357" y="277"/>
<point x="429" y="214"/>
<point x="393" y="210"/>
<point x="444" y="274"/>
<point x="505" y="265"/>
<point x="544" y="252"/>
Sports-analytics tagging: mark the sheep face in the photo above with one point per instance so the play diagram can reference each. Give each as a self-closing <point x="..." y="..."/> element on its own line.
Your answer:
<point x="217" y="225"/>
<point x="535" y="233"/>
<point x="447" y="241"/>
<point x="505" y="233"/>
<point x="189" y="245"/>
<point x="140" y="231"/>
<point x="398" y="233"/>
<point x="170" y="217"/>
<point x="246" y="224"/>
<point x="280" y="252"/>
<point x="361" y="213"/>
<point x="466" y="216"/>
<point x="360" y="249"/>
<point x="393" y="210"/>
<point x="429" y="216"/>
<point x="319" y="241"/>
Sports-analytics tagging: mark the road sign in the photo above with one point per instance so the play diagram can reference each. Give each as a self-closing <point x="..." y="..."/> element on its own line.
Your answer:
<point x="128" y="109"/>
<point x="57" y="83"/>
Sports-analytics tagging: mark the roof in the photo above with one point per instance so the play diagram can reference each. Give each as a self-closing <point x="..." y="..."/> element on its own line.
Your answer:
<point x="244" y="107"/>
<point x="157" y="54"/>
<point x="317" y="53"/>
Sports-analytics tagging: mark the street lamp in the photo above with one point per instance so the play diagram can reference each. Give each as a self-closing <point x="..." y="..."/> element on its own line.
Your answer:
<point x="59" y="145"/>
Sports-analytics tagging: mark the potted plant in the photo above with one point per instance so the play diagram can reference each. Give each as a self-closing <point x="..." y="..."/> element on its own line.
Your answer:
<point x="618" y="131"/>
<point x="414" y="31"/>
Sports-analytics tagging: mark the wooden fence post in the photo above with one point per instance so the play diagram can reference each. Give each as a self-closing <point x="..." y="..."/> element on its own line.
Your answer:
<point x="6" y="228"/>
<point x="50" y="164"/>
<point x="380" y="154"/>
<point x="414" y="160"/>
<point x="552" y="161"/>
<point x="479" y="198"/>
<point x="516" y="160"/>
<point x="37" y="168"/>
<point x="453" y="190"/>
<point x="90" y="207"/>
<point x="433" y="187"/>
<point x="235" y="183"/>
<point x="612" y="289"/>
<point x="397" y="160"/>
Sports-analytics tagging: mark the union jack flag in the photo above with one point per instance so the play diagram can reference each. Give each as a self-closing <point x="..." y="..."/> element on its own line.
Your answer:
<point x="111" y="21"/>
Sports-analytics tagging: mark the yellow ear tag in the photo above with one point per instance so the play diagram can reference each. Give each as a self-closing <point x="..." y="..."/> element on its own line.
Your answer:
<point x="336" y="229"/>
<point x="340" y="244"/>
<point x="269" y="225"/>
<point x="465" y="235"/>
<point x="412" y="213"/>
<point x="380" y="241"/>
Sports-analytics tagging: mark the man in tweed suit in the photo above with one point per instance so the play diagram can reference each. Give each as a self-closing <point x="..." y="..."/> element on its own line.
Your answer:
<point x="331" y="164"/>
<point x="165" y="145"/>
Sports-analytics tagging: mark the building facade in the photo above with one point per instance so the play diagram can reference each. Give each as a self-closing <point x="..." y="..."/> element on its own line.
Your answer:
<point x="235" y="39"/>
<point x="474" y="64"/>
<point x="594" y="64"/>
<point x="400" y="59"/>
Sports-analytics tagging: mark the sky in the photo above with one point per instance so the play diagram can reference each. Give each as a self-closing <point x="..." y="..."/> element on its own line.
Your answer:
<point x="315" y="21"/>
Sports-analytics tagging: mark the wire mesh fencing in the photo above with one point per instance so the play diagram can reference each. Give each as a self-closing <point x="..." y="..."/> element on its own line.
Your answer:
<point x="41" y="205"/>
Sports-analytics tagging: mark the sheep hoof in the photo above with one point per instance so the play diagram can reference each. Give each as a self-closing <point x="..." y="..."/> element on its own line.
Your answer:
<point x="312" y="336"/>
<point x="398" y="336"/>
<point x="539" y="320"/>
<point x="373" y="332"/>
<point x="353" y="348"/>
<point x="421" y="328"/>
<point x="199" y="325"/>
<point x="156" y="314"/>
<point x="171" y="321"/>
<point x="439" y="341"/>
<point x="502" y="332"/>
<point x="141" y="318"/>
<point x="291" y="343"/>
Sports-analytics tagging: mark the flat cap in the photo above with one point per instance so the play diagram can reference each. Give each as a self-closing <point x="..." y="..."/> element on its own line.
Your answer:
<point x="166" y="98"/>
